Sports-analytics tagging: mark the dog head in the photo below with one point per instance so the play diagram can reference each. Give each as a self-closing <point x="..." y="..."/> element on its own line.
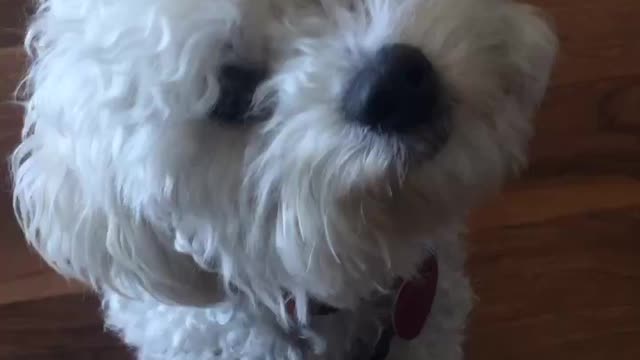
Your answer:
<point x="307" y="147"/>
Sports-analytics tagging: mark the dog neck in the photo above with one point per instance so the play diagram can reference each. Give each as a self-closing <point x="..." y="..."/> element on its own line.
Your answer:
<point x="411" y="305"/>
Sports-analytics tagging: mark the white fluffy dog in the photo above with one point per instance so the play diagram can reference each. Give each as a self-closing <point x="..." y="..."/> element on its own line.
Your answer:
<point x="260" y="179"/>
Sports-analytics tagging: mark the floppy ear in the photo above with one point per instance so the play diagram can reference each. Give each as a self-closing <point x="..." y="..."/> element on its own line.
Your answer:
<point x="107" y="247"/>
<point x="530" y="55"/>
<point x="533" y="51"/>
<point x="84" y="103"/>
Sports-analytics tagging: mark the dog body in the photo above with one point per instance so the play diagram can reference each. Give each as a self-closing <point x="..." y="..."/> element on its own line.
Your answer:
<point x="230" y="330"/>
<point x="372" y="127"/>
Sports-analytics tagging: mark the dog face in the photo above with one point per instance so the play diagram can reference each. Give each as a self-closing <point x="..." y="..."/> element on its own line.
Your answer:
<point x="311" y="147"/>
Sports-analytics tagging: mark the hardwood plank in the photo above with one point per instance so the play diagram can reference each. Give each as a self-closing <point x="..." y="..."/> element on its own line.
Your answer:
<point x="40" y="284"/>
<point x="566" y="288"/>
<point x="13" y="19"/>
<point x="66" y="327"/>
<point x="12" y="68"/>
<point x="598" y="39"/>
<point x="531" y="202"/>
<point x="608" y="105"/>
<point x="560" y="155"/>
<point x="589" y="128"/>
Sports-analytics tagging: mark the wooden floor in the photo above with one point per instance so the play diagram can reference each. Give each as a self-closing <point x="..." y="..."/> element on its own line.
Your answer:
<point x="555" y="261"/>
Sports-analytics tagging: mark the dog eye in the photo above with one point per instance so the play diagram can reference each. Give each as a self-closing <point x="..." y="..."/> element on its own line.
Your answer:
<point x="238" y="84"/>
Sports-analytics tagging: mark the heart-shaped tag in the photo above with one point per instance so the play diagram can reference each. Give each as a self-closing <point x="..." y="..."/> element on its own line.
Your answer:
<point x="414" y="300"/>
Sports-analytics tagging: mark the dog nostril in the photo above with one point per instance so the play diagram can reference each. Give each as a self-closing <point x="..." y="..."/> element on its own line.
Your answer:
<point x="381" y="105"/>
<point x="415" y="76"/>
<point x="397" y="90"/>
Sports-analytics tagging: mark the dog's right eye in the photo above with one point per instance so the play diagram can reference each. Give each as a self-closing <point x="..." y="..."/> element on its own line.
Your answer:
<point x="238" y="84"/>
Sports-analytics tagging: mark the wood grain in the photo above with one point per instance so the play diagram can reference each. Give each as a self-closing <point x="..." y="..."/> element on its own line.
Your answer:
<point x="64" y="327"/>
<point x="554" y="259"/>
<point x="13" y="17"/>
<point x="566" y="288"/>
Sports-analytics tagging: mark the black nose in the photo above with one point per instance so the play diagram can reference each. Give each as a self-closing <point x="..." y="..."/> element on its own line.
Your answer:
<point x="397" y="90"/>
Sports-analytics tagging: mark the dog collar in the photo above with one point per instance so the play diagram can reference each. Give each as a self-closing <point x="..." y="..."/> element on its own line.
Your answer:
<point x="414" y="301"/>
<point x="410" y="311"/>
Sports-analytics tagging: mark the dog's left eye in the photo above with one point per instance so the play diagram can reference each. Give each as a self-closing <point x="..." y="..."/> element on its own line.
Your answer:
<point x="238" y="84"/>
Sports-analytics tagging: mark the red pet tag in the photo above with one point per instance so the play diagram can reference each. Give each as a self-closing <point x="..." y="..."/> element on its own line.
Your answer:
<point x="414" y="301"/>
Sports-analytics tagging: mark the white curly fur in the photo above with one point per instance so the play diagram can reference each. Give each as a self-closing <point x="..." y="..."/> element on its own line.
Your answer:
<point x="193" y="229"/>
